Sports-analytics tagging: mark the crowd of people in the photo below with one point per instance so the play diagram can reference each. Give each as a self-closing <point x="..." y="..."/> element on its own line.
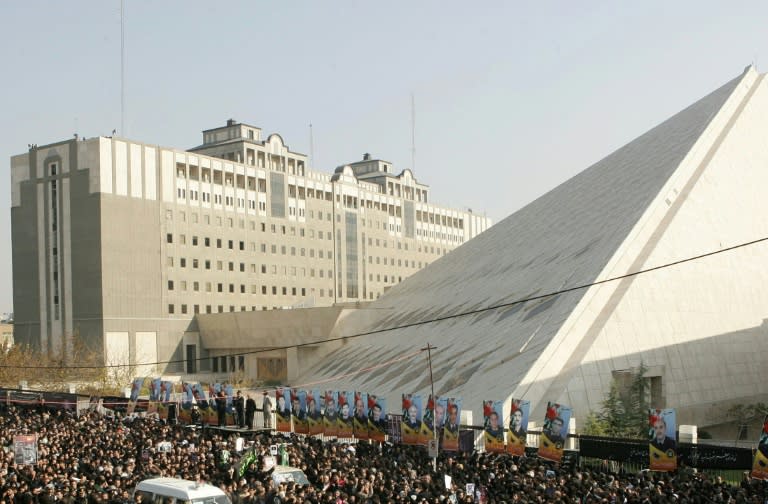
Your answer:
<point x="92" y="458"/>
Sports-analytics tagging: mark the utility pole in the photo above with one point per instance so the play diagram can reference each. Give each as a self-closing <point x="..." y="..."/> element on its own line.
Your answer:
<point x="429" y="349"/>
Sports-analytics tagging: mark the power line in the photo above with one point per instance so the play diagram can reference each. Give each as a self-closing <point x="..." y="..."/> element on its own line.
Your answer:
<point x="422" y="322"/>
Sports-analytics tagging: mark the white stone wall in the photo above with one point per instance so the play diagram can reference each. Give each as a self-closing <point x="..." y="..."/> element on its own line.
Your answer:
<point x="700" y="323"/>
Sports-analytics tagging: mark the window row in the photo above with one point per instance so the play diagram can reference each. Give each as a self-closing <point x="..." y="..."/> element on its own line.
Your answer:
<point x="232" y="288"/>
<point x="186" y="309"/>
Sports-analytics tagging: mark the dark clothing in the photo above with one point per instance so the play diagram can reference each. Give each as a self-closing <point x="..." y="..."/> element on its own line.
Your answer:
<point x="221" y="408"/>
<point x="250" y="409"/>
<point x="239" y="410"/>
<point x="668" y="444"/>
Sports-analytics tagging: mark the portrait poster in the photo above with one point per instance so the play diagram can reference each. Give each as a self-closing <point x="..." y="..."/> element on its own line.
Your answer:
<point x="217" y="388"/>
<point x="299" y="411"/>
<point x="164" y="399"/>
<point x="518" y="427"/>
<point x="154" y="395"/>
<point x="25" y="449"/>
<point x="377" y="417"/>
<point x="554" y="432"/>
<point x="493" y="426"/>
<point x="411" y="423"/>
<point x="229" y="390"/>
<point x="330" y="413"/>
<point x="760" y="462"/>
<point x="344" y="416"/>
<point x="185" y="411"/>
<point x="428" y="421"/>
<point x="662" y="436"/>
<point x="206" y="403"/>
<point x="136" y="387"/>
<point x="314" y="412"/>
<point x="452" y="422"/>
<point x="283" y="409"/>
<point x="361" y="415"/>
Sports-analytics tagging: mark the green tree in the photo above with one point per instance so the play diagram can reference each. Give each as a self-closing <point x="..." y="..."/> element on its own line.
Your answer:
<point x="624" y="412"/>
<point x="745" y="414"/>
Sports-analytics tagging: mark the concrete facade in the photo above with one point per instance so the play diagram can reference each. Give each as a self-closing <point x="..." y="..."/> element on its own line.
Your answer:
<point x="122" y="243"/>
<point x="693" y="185"/>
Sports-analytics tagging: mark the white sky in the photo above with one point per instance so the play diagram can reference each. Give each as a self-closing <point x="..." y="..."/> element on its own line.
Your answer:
<point x="512" y="98"/>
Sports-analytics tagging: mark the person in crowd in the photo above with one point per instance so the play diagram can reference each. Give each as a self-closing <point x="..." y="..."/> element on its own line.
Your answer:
<point x="240" y="409"/>
<point x="266" y="410"/>
<point x="250" y="411"/>
<point x="90" y="458"/>
<point x="221" y="407"/>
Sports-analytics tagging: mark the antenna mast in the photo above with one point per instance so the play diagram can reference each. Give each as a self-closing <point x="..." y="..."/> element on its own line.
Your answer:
<point x="122" y="68"/>
<point x="311" y="148"/>
<point x="413" y="134"/>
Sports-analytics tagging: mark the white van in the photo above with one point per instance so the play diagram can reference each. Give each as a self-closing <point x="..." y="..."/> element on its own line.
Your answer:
<point x="178" y="491"/>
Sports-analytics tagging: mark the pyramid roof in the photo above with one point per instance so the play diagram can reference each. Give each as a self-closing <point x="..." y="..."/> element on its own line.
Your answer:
<point x="591" y="227"/>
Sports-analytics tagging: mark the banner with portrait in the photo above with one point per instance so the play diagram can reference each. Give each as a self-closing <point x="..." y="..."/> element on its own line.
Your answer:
<point x="662" y="435"/>
<point x="229" y="390"/>
<point x="164" y="398"/>
<point x="377" y="417"/>
<point x="185" y="412"/>
<point x="283" y="410"/>
<point x="493" y="426"/>
<point x="344" y="416"/>
<point x="25" y="449"/>
<point x="411" y="424"/>
<point x="314" y="412"/>
<point x="518" y="427"/>
<point x="434" y="419"/>
<point x="452" y="422"/>
<point x="361" y="415"/>
<point x="154" y="394"/>
<point x="760" y="462"/>
<point x="426" y="433"/>
<point x="554" y="432"/>
<point x="330" y="413"/>
<point x="136" y="387"/>
<point x="299" y="411"/>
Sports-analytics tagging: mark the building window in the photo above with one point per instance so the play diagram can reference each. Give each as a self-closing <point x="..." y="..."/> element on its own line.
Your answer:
<point x="171" y="309"/>
<point x="170" y="284"/>
<point x="169" y="238"/>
